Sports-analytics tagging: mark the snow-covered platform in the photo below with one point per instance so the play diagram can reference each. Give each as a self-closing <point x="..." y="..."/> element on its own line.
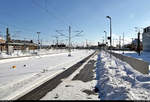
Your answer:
<point x="145" y="56"/>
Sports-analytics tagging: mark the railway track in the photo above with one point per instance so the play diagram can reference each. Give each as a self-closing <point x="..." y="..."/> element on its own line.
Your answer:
<point x="42" y="90"/>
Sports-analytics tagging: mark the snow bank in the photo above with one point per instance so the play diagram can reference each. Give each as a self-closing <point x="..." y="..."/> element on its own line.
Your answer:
<point x="117" y="80"/>
<point x="73" y="89"/>
<point x="18" y="53"/>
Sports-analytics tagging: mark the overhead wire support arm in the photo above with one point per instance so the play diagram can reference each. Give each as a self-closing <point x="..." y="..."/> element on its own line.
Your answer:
<point x="70" y="37"/>
<point x="78" y="34"/>
<point x="61" y="34"/>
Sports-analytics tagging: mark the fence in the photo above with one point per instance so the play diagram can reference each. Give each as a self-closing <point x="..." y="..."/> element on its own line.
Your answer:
<point x="138" y="65"/>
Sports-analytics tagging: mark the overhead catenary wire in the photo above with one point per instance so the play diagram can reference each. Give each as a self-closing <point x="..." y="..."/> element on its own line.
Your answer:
<point x="27" y="31"/>
<point x="49" y="11"/>
<point x="15" y="33"/>
<point x="22" y="29"/>
<point x="16" y="27"/>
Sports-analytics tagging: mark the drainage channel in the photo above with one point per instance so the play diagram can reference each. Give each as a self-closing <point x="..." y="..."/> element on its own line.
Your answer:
<point x="42" y="90"/>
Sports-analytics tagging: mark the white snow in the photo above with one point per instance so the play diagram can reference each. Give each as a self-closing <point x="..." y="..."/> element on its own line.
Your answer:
<point x="74" y="91"/>
<point x="117" y="80"/>
<point x="30" y="72"/>
<point x="17" y="53"/>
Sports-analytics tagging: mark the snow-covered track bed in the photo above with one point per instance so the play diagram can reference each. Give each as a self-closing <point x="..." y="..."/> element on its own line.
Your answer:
<point x="21" y="75"/>
<point x="40" y="91"/>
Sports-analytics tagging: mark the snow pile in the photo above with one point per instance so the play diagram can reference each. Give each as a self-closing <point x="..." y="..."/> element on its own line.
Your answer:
<point x="14" y="54"/>
<point x="119" y="81"/>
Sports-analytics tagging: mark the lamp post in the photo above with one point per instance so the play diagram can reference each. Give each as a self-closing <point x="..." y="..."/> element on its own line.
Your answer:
<point x="38" y="40"/>
<point x="123" y="43"/>
<point x="138" y="42"/>
<point x="105" y="37"/>
<point x="138" y="45"/>
<point x="110" y="30"/>
<point x="110" y="33"/>
<point x="69" y="41"/>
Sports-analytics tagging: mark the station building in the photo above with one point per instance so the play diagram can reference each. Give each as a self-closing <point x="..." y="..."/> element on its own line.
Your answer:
<point x="146" y="39"/>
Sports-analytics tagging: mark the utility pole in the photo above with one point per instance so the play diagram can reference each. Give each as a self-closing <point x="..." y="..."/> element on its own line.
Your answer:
<point x="38" y="33"/>
<point x="86" y="44"/>
<point x="69" y="38"/>
<point x="138" y="47"/>
<point x="69" y="41"/>
<point x="53" y="42"/>
<point x="56" y="41"/>
<point x="110" y="34"/>
<point x="119" y="42"/>
<point x="123" y="43"/>
<point x="24" y="46"/>
<point x="7" y="40"/>
<point x="103" y="40"/>
<point x="41" y="44"/>
<point x="105" y="37"/>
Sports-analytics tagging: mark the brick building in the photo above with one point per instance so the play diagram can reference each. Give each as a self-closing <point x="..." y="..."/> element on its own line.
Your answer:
<point x="1" y="44"/>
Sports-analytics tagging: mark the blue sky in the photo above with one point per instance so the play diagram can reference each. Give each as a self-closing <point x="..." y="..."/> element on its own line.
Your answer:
<point x="25" y="17"/>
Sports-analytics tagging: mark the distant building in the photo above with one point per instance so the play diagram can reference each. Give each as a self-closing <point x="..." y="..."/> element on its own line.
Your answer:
<point x="23" y="44"/>
<point x="2" y="41"/>
<point x="19" y="45"/>
<point x="146" y="39"/>
<point x="11" y="44"/>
